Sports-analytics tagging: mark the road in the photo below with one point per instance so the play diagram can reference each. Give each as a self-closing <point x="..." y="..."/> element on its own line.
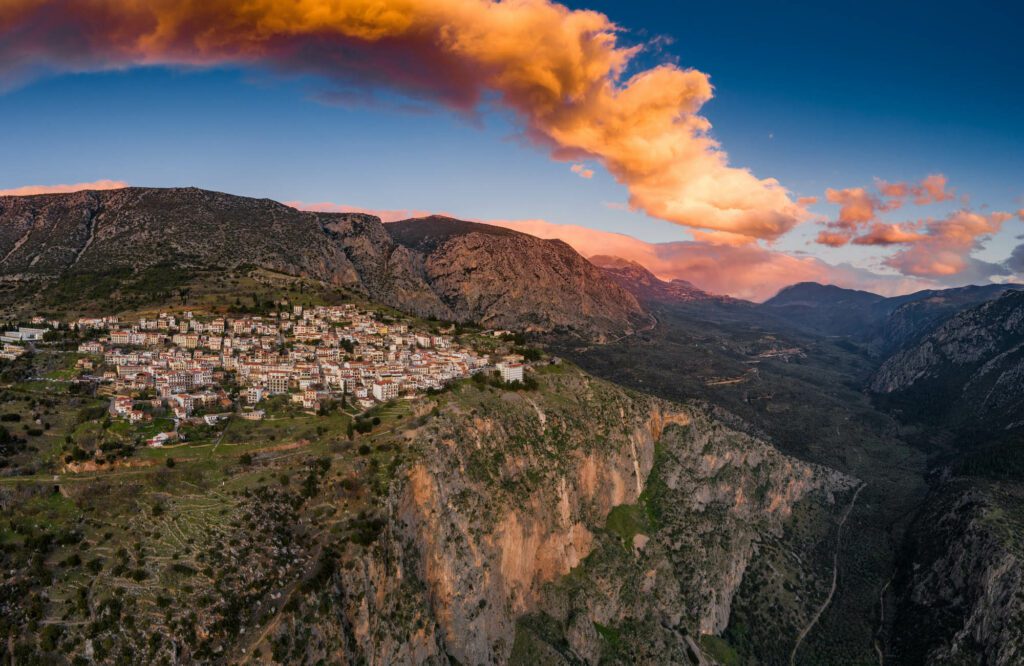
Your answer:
<point x="835" y="578"/>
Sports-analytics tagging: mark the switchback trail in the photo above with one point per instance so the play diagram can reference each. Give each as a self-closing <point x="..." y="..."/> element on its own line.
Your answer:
<point x="835" y="578"/>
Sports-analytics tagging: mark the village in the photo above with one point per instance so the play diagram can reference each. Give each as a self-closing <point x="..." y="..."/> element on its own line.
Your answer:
<point x="199" y="370"/>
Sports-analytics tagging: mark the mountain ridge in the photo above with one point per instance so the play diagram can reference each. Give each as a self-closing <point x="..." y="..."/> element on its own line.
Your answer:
<point x="44" y="238"/>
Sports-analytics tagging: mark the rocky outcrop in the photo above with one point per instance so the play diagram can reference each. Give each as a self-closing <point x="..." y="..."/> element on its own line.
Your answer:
<point x="507" y="280"/>
<point x="970" y="339"/>
<point x="577" y="522"/>
<point x="960" y="593"/>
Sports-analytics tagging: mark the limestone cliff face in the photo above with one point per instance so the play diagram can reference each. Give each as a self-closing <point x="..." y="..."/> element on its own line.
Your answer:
<point x="959" y="593"/>
<point x="530" y="519"/>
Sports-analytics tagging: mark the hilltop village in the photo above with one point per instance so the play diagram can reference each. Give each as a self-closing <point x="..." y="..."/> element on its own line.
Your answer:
<point x="203" y="369"/>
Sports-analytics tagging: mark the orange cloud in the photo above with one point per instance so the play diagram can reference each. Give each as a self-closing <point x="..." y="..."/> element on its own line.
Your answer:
<point x="28" y="190"/>
<point x="834" y="238"/>
<point x="582" y="171"/>
<point x="386" y="215"/>
<point x="561" y="71"/>
<point x="890" y="234"/>
<point x="943" y="247"/>
<point x="857" y="206"/>
<point x="931" y="189"/>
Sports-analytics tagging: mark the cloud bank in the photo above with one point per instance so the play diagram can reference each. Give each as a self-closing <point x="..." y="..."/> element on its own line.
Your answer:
<point x="562" y="72"/>
<point x="933" y="248"/>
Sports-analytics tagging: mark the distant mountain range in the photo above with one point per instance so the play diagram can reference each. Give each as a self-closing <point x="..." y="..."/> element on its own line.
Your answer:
<point x="886" y="323"/>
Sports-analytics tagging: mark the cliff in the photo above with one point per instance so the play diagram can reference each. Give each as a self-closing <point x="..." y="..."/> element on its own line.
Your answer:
<point x="579" y="522"/>
<point x="958" y="595"/>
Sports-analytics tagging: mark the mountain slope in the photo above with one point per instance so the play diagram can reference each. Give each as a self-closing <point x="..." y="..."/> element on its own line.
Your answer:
<point x="143" y="234"/>
<point x="507" y="279"/>
<point x="887" y="324"/>
<point x="647" y="287"/>
<point x="969" y="372"/>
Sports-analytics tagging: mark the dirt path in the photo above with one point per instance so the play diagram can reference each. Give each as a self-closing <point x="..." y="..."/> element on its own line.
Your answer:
<point x="835" y="578"/>
<point x="877" y="644"/>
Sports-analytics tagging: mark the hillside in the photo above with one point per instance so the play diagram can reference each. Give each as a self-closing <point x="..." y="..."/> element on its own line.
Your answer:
<point x="647" y="287"/>
<point x="967" y="373"/>
<point x="884" y="323"/>
<point x="82" y="247"/>
<point x="507" y="279"/>
<point x="564" y="521"/>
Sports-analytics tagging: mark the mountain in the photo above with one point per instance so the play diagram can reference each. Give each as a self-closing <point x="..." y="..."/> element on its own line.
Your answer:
<point x="829" y="310"/>
<point x="647" y="287"/>
<point x="145" y="235"/>
<point x="968" y="371"/>
<point x="506" y="279"/>
<point x="887" y="324"/>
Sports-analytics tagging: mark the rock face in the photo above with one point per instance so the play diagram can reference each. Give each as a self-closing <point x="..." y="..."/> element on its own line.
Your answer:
<point x="507" y="280"/>
<point x="959" y="597"/>
<point x="577" y="522"/>
<point x="969" y="370"/>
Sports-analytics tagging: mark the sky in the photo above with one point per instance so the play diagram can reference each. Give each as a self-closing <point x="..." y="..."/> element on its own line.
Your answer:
<point x="742" y="146"/>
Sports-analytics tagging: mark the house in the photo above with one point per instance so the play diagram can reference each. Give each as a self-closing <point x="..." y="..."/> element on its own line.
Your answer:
<point x="385" y="389"/>
<point x="277" y="382"/>
<point x="122" y="405"/>
<point x="511" y="371"/>
<point x="254" y="394"/>
<point x="161" y="438"/>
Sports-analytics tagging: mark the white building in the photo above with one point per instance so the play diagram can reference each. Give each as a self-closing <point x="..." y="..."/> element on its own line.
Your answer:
<point x="254" y="394"/>
<point x="511" y="371"/>
<point x="385" y="390"/>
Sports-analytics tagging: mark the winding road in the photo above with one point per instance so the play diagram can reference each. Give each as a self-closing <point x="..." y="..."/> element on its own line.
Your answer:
<point x="835" y="578"/>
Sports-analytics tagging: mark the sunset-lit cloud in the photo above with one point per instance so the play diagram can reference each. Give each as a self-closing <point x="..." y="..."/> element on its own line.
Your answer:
<point x="890" y="234"/>
<point x="931" y="189"/>
<point x="932" y="248"/>
<point x="857" y="206"/>
<point x="943" y="247"/>
<point x="562" y="73"/>
<point x="582" y="171"/>
<point x="860" y="208"/>
<point x="59" y="189"/>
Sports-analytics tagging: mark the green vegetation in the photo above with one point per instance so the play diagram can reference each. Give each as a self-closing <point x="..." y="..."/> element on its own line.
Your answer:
<point x="719" y="650"/>
<point x="628" y="520"/>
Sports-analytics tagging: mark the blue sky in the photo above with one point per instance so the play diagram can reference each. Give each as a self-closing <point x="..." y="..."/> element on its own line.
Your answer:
<point x="816" y="96"/>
